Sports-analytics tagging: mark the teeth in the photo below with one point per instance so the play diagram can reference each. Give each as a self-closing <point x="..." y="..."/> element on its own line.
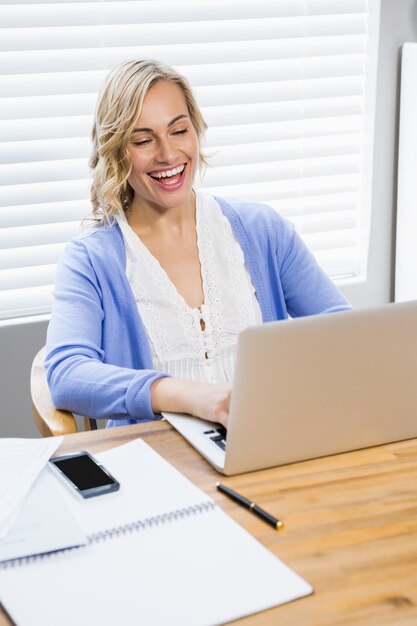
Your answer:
<point x="168" y="173"/>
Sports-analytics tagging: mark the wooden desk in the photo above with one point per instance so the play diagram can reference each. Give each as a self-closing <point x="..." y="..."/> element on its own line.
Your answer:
<point x="350" y="525"/>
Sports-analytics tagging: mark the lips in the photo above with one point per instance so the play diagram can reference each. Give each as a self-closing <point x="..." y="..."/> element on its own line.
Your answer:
<point x="169" y="179"/>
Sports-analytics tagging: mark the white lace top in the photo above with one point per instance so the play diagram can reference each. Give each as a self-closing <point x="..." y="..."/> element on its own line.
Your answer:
<point x="179" y="346"/>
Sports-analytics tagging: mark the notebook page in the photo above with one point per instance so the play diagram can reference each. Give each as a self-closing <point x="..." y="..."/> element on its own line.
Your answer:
<point x="149" y="486"/>
<point x="21" y="461"/>
<point x="200" y="570"/>
<point x="43" y="524"/>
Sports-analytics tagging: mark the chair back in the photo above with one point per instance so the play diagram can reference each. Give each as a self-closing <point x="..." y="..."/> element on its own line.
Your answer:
<point x="49" y="420"/>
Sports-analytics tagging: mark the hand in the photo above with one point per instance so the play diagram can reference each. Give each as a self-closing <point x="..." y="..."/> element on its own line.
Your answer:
<point x="209" y="401"/>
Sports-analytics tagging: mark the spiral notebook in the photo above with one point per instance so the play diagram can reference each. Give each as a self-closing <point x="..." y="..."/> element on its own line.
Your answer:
<point x="159" y="552"/>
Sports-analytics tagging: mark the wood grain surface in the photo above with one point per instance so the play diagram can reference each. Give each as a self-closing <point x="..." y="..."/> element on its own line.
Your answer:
<point x="350" y="525"/>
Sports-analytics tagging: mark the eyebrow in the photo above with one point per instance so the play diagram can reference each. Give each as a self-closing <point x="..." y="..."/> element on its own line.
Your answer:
<point x="150" y="130"/>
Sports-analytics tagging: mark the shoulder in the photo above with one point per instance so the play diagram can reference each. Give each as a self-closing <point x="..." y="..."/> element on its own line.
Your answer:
<point x="255" y="217"/>
<point x="98" y="234"/>
<point x="96" y="239"/>
<point x="95" y="246"/>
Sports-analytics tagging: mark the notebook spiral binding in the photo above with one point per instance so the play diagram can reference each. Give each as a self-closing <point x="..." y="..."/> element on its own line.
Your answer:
<point x="37" y="557"/>
<point x="149" y="522"/>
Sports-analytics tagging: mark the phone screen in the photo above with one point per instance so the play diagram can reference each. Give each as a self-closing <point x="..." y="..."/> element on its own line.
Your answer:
<point x="86" y="474"/>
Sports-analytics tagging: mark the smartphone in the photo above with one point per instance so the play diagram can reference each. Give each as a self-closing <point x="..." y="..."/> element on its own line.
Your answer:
<point x="85" y="474"/>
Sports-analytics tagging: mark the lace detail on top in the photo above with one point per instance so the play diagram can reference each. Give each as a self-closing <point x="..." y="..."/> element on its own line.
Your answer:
<point x="179" y="346"/>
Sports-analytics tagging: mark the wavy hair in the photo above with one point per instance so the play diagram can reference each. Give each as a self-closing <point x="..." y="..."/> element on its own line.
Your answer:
<point x="118" y="109"/>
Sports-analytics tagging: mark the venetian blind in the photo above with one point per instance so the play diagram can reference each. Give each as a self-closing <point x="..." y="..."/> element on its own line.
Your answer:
<point x="283" y="84"/>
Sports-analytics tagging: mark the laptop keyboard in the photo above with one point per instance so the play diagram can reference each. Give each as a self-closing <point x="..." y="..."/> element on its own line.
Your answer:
<point x="218" y="435"/>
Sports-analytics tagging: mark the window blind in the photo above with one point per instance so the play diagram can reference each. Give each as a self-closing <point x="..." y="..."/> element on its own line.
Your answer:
<point x="283" y="84"/>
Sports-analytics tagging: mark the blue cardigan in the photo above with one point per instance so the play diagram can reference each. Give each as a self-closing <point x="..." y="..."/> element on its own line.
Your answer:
<point x="98" y="356"/>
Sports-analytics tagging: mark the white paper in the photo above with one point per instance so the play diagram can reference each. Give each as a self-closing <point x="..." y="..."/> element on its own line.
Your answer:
<point x="21" y="461"/>
<point x="44" y="523"/>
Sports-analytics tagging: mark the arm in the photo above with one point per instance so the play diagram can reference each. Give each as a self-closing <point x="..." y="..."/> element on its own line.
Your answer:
<point x="79" y="377"/>
<point x="306" y="287"/>
<point x="206" y="400"/>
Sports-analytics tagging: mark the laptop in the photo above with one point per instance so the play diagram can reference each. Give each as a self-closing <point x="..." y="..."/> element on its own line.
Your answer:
<point x="315" y="386"/>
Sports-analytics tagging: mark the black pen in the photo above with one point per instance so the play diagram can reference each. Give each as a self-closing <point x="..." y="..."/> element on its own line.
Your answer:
<point x="267" y="517"/>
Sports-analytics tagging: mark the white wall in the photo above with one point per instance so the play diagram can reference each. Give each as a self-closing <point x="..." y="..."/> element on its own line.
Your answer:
<point x="398" y="25"/>
<point x="406" y="248"/>
<point x="19" y="343"/>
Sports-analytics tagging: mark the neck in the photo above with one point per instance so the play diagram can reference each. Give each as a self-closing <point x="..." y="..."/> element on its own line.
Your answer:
<point x="145" y="217"/>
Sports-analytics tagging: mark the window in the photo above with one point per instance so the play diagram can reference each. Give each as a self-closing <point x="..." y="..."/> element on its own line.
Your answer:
<point x="286" y="87"/>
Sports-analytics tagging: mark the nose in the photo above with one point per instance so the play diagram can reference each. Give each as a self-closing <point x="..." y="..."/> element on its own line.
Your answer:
<point x="165" y="152"/>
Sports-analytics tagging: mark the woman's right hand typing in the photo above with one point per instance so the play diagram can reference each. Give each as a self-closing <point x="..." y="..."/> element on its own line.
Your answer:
<point x="209" y="401"/>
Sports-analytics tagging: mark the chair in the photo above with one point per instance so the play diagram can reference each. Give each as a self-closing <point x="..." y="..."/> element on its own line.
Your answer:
<point x="49" y="420"/>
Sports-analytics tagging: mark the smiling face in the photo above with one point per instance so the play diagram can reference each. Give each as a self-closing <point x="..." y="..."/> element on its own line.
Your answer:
<point x="164" y="150"/>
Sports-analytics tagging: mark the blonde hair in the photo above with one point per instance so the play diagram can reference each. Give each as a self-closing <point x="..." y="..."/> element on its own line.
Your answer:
<point x="118" y="109"/>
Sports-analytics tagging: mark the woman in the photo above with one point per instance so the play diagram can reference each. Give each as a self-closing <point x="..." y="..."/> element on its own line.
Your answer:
<point x="149" y="303"/>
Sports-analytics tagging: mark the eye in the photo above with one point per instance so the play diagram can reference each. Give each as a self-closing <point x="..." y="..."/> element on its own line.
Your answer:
<point x="181" y="132"/>
<point x="142" y="142"/>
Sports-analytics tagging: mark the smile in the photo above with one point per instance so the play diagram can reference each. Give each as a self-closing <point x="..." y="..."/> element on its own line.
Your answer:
<point x="169" y="179"/>
<point x="168" y="173"/>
